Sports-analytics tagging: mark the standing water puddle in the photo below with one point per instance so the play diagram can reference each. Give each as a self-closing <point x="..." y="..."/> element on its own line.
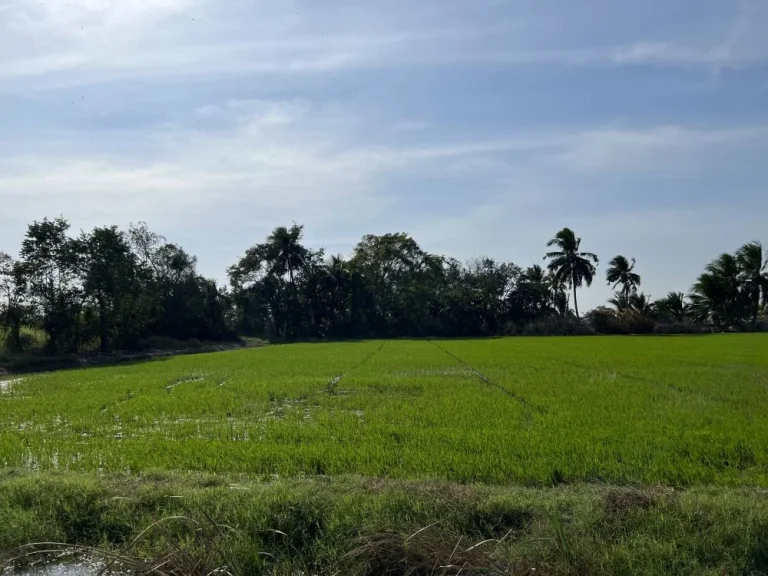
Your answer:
<point x="58" y="570"/>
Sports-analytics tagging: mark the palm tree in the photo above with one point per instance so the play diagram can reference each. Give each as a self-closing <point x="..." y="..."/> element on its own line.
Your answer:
<point x="716" y="294"/>
<point x="286" y="252"/>
<point x="753" y="275"/>
<point x="569" y="265"/>
<point x="620" y="271"/>
<point x="558" y="294"/>
<point x="337" y="285"/>
<point x="535" y="281"/>
<point x="674" y="304"/>
<point x="535" y="275"/>
<point x="641" y="304"/>
<point x="620" y="301"/>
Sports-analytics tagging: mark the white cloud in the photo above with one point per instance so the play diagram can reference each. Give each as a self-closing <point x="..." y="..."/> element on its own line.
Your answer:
<point x="279" y="154"/>
<point x="272" y="162"/>
<point x="664" y="53"/>
<point x="316" y="144"/>
<point x="409" y="126"/>
<point x="661" y="149"/>
<point x="56" y="43"/>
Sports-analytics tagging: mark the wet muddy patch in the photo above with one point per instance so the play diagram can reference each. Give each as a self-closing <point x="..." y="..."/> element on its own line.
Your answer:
<point x="56" y="570"/>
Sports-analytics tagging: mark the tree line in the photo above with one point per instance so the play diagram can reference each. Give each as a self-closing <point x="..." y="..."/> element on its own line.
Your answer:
<point x="118" y="287"/>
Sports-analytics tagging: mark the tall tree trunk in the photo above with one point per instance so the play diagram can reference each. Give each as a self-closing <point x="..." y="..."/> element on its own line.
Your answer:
<point x="755" y="304"/>
<point x="14" y="319"/>
<point x="575" y="301"/>
<point x="76" y="338"/>
<point x="103" y="327"/>
<point x="332" y="312"/>
<point x="51" y="347"/>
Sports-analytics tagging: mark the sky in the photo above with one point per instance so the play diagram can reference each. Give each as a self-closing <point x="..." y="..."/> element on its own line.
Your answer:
<point x="479" y="127"/>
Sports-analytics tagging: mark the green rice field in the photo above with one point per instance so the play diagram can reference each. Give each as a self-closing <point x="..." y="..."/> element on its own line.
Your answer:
<point x="679" y="411"/>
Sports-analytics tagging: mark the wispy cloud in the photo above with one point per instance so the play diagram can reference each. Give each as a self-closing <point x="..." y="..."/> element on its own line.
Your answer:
<point x="657" y="149"/>
<point x="86" y="41"/>
<point x="274" y="157"/>
<point x="471" y="124"/>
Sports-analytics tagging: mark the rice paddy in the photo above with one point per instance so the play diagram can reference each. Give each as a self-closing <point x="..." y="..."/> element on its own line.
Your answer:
<point x="679" y="411"/>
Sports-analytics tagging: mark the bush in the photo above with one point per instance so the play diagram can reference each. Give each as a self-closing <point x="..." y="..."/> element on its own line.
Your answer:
<point x="681" y="328"/>
<point x="759" y="326"/>
<point x="557" y="326"/>
<point x="637" y="323"/>
<point x="32" y="339"/>
<point x="606" y="321"/>
<point x="160" y="343"/>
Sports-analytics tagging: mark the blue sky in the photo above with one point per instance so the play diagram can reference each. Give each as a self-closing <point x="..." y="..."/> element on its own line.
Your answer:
<point x="480" y="127"/>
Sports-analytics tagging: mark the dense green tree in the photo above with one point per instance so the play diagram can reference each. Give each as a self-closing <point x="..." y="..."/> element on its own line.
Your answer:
<point x="119" y="288"/>
<point x="621" y="272"/>
<point x="50" y="264"/>
<point x="174" y="301"/>
<point x="109" y="277"/>
<point x="398" y="278"/>
<point x="12" y="306"/>
<point x="532" y="296"/>
<point x="492" y="284"/>
<point x="184" y="297"/>
<point x="569" y="264"/>
<point x="335" y="287"/>
<point x="268" y="278"/>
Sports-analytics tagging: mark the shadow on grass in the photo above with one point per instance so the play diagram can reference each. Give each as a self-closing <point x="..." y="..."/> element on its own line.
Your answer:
<point x="29" y="363"/>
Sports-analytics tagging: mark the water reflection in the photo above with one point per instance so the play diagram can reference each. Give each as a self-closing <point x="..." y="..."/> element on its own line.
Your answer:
<point x="58" y="570"/>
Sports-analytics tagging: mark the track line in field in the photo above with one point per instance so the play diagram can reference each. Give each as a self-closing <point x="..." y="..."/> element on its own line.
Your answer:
<point x="515" y="396"/>
<point x="338" y="378"/>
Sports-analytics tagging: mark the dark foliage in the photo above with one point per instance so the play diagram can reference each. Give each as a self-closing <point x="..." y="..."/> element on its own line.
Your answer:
<point x="119" y="289"/>
<point x="107" y="286"/>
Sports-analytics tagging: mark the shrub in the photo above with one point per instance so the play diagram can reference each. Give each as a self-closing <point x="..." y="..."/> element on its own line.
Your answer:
<point x="606" y="321"/>
<point x="557" y="326"/>
<point x="759" y="326"/>
<point x="636" y="323"/>
<point x="681" y="328"/>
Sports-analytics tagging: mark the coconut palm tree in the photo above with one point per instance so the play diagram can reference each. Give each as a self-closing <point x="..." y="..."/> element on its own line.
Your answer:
<point x="535" y="275"/>
<point x="558" y="294"/>
<point x="569" y="265"/>
<point x="716" y="295"/>
<point x="620" y="301"/>
<point x="674" y="305"/>
<point x="286" y="252"/>
<point x="621" y="271"/>
<point x="533" y="287"/>
<point x="337" y="283"/>
<point x="753" y="275"/>
<point x="641" y="304"/>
